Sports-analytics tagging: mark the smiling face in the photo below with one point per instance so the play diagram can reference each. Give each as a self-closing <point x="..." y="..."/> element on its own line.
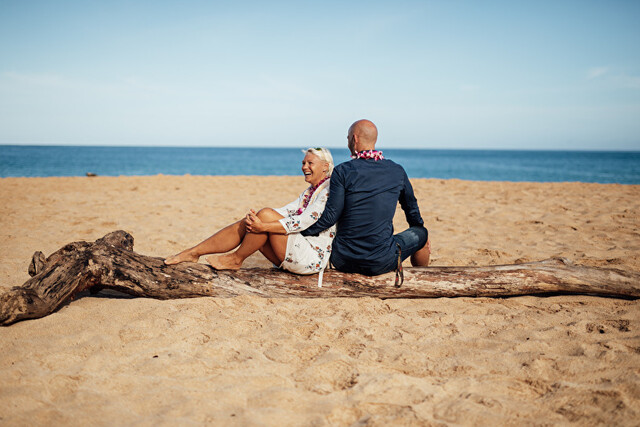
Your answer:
<point x="314" y="169"/>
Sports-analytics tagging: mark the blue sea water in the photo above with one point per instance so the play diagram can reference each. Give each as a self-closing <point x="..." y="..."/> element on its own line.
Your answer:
<point x="478" y="165"/>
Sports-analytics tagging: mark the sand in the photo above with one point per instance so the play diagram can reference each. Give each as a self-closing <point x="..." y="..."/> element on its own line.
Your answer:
<point x="114" y="360"/>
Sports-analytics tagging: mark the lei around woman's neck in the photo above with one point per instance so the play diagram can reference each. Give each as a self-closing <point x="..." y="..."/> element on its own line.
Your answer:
<point x="309" y="193"/>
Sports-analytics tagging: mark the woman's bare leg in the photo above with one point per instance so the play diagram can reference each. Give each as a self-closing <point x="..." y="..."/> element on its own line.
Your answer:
<point x="269" y="254"/>
<point x="252" y="243"/>
<point x="223" y="241"/>
<point x="276" y="246"/>
<point x="273" y="244"/>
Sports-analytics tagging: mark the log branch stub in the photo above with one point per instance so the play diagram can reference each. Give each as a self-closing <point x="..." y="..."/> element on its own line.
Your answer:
<point x="37" y="263"/>
<point x="110" y="263"/>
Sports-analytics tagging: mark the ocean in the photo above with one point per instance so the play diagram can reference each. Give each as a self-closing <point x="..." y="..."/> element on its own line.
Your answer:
<point x="477" y="165"/>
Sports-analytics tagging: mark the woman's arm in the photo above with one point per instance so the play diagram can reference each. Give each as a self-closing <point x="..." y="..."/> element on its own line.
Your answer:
<point x="256" y="225"/>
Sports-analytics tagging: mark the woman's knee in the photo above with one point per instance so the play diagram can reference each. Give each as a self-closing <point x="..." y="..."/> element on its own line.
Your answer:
<point x="268" y="214"/>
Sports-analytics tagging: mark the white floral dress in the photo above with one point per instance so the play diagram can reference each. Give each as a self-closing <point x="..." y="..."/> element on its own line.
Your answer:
<point x="306" y="254"/>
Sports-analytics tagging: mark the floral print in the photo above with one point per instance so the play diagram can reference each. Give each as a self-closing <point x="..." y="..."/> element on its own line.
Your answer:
<point x="308" y="194"/>
<point x="310" y="254"/>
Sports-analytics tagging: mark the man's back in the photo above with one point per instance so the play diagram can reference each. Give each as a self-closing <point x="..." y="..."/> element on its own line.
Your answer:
<point x="363" y="197"/>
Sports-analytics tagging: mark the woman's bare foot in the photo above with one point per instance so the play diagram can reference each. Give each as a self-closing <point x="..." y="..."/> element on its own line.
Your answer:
<point x="225" y="262"/>
<point x="184" y="256"/>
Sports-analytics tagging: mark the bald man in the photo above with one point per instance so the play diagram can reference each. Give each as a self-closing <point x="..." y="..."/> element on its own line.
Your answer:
<point x="363" y="196"/>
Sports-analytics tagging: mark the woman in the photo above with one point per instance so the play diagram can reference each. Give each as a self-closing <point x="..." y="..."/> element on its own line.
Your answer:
<point x="276" y="232"/>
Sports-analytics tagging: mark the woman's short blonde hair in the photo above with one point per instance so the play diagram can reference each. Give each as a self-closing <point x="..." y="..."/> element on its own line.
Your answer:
<point x="323" y="154"/>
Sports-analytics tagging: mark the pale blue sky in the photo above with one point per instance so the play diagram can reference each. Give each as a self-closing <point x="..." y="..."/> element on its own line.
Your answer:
<point x="431" y="74"/>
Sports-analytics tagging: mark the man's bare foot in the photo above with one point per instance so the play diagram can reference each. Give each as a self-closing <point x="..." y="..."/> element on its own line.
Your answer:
<point x="184" y="256"/>
<point x="224" y="262"/>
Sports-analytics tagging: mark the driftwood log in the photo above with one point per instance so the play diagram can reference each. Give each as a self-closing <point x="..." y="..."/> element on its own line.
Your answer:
<point x="110" y="263"/>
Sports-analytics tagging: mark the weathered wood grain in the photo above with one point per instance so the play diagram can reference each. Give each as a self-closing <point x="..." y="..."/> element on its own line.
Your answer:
<point x="110" y="263"/>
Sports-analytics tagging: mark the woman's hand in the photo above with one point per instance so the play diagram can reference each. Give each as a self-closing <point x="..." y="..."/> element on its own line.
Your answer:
<point x="254" y="224"/>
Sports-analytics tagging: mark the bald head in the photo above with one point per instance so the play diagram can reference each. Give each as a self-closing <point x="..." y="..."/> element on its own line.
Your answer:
<point x="362" y="135"/>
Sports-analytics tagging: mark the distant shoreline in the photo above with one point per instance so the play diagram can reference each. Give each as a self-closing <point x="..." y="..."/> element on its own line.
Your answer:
<point x="294" y="177"/>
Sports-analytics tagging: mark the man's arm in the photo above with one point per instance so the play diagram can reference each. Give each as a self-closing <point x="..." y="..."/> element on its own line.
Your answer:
<point x="409" y="204"/>
<point x="333" y="208"/>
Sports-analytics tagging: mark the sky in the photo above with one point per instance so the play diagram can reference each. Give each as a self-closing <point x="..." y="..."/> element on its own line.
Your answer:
<point x="452" y="74"/>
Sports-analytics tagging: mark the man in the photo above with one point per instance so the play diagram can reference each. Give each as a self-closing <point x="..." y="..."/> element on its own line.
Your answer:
<point x="362" y="201"/>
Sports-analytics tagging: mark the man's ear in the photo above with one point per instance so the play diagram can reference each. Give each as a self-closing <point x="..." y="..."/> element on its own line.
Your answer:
<point x="356" y="141"/>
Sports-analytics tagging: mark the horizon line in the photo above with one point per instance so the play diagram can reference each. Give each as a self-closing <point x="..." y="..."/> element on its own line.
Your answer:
<point x="592" y="150"/>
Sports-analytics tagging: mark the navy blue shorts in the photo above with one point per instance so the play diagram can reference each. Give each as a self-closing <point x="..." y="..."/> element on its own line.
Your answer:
<point x="410" y="241"/>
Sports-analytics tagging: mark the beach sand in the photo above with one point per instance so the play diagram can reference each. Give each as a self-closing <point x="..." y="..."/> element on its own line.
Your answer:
<point x="110" y="359"/>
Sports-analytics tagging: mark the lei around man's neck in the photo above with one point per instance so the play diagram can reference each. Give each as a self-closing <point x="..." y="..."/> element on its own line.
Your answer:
<point x="368" y="154"/>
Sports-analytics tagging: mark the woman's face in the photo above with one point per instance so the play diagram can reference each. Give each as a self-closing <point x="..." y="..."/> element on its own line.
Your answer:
<point x="314" y="169"/>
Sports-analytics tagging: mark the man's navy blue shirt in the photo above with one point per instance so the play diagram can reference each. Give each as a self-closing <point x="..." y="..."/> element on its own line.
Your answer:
<point x="363" y="196"/>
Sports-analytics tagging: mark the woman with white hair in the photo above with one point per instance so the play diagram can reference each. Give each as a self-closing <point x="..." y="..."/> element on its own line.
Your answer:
<point x="276" y="232"/>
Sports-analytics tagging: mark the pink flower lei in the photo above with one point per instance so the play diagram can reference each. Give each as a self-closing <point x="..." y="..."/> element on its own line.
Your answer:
<point x="307" y="197"/>
<point x="369" y="154"/>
